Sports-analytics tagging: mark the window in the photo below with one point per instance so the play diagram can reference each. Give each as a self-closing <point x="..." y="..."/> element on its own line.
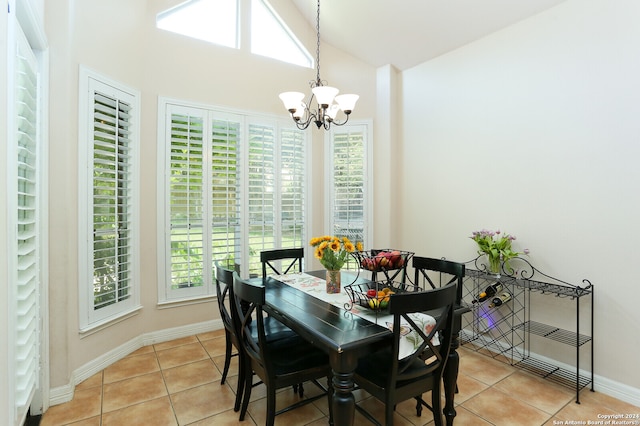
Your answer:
<point x="109" y="208"/>
<point x="270" y="37"/>
<point x="233" y="185"/>
<point x="348" y="195"/>
<point x="212" y="21"/>
<point x="276" y="190"/>
<point x="218" y="22"/>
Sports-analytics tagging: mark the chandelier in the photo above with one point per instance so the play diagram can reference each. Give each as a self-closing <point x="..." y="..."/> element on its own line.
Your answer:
<point x="328" y="103"/>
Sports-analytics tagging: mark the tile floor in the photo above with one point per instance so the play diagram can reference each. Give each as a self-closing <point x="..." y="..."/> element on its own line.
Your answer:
<point x="178" y="383"/>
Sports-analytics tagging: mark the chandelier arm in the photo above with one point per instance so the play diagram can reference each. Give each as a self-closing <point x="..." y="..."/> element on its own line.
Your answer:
<point x="337" y="123"/>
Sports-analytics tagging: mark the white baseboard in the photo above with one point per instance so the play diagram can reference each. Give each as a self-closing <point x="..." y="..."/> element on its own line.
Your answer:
<point x="65" y="393"/>
<point x="617" y="390"/>
<point x="602" y="384"/>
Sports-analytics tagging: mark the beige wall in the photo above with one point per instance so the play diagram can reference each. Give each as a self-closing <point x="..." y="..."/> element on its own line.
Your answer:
<point x="531" y="130"/>
<point x="534" y="130"/>
<point x="118" y="39"/>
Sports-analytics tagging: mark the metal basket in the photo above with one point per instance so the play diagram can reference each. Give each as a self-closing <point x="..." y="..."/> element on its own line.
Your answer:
<point x="358" y="293"/>
<point x="379" y="260"/>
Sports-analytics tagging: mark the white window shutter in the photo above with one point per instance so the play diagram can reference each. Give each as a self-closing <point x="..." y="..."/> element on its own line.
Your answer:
<point x="112" y="201"/>
<point x="261" y="192"/>
<point x="292" y="188"/>
<point x="226" y="192"/>
<point x="27" y="276"/>
<point x="349" y="190"/>
<point x="235" y="184"/>
<point x="187" y="186"/>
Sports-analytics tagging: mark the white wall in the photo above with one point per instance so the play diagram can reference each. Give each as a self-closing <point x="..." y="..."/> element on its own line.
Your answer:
<point x="535" y="130"/>
<point x="118" y="38"/>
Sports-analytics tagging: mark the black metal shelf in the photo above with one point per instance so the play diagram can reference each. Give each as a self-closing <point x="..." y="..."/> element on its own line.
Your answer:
<point x="554" y="333"/>
<point x="556" y="374"/>
<point x="519" y="277"/>
<point x="504" y="332"/>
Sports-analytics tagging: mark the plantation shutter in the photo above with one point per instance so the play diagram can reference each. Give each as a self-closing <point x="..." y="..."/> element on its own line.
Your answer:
<point x="225" y="192"/>
<point x="234" y="187"/>
<point x="112" y="200"/>
<point x="292" y="185"/>
<point x="28" y="254"/>
<point x="187" y="201"/>
<point x="348" y="173"/>
<point x="261" y="193"/>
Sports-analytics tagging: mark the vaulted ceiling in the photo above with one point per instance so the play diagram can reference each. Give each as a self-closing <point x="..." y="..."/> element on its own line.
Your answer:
<point x="405" y="33"/>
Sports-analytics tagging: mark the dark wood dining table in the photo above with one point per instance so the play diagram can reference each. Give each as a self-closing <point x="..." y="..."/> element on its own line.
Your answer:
<point x="343" y="335"/>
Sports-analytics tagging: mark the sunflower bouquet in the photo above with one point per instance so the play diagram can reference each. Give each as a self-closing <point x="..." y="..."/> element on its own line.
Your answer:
<point x="332" y="252"/>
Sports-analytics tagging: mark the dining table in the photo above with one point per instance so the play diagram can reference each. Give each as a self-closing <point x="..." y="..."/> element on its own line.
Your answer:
<point x="342" y="333"/>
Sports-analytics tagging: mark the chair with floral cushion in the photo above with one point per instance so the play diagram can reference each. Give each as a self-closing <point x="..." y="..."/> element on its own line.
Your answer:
<point x="280" y="363"/>
<point x="230" y="321"/>
<point x="392" y="374"/>
<point x="431" y="271"/>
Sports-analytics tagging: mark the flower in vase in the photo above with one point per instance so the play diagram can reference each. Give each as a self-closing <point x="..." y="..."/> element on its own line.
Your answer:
<point x="332" y="251"/>
<point x="497" y="247"/>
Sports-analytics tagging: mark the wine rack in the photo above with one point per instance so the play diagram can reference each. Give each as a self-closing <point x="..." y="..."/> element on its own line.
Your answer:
<point x="504" y="332"/>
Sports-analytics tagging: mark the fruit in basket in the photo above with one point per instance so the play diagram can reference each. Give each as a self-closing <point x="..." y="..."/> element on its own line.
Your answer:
<point x="395" y="259"/>
<point x="378" y="260"/>
<point x="367" y="263"/>
<point x="371" y="293"/>
<point x="384" y="303"/>
<point x="374" y="303"/>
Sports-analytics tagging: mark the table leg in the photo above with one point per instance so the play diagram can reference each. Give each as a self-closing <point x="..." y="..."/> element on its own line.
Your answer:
<point x="450" y="378"/>
<point x="344" y="403"/>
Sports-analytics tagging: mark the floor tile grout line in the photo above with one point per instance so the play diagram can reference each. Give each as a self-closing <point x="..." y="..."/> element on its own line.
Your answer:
<point x="173" y="410"/>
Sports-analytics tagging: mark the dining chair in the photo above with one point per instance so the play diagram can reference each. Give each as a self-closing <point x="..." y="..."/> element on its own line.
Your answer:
<point x="225" y="296"/>
<point x="448" y="272"/>
<point x="392" y="377"/>
<point x="270" y="257"/>
<point x="280" y="363"/>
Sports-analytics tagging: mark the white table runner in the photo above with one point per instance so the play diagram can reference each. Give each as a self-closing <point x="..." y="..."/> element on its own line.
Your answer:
<point x="316" y="287"/>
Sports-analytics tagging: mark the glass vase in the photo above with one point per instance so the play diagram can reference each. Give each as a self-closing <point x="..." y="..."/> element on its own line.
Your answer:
<point x="333" y="282"/>
<point x="494" y="265"/>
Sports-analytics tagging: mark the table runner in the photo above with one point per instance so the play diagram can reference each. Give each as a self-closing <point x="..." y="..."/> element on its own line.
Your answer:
<point x="316" y="287"/>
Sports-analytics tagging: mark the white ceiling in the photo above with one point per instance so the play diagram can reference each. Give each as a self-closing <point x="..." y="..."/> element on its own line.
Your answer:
<point x="405" y="33"/>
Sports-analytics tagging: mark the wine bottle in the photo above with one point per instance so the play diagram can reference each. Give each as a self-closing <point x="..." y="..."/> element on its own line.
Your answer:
<point x="490" y="291"/>
<point x="497" y="301"/>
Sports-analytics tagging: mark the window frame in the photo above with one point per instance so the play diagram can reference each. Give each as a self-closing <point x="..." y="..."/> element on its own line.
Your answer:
<point x="90" y="319"/>
<point x="364" y="126"/>
<point x="166" y="107"/>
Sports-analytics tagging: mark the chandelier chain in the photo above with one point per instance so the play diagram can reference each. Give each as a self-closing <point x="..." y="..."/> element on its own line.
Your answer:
<point x="318" y="46"/>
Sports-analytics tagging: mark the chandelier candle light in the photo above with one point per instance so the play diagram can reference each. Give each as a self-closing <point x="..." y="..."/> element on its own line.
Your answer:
<point x="325" y="96"/>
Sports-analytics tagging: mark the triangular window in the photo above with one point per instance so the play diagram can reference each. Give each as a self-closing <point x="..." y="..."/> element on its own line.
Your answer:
<point x="271" y="37"/>
<point x="217" y="22"/>
<point x="212" y="21"/>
